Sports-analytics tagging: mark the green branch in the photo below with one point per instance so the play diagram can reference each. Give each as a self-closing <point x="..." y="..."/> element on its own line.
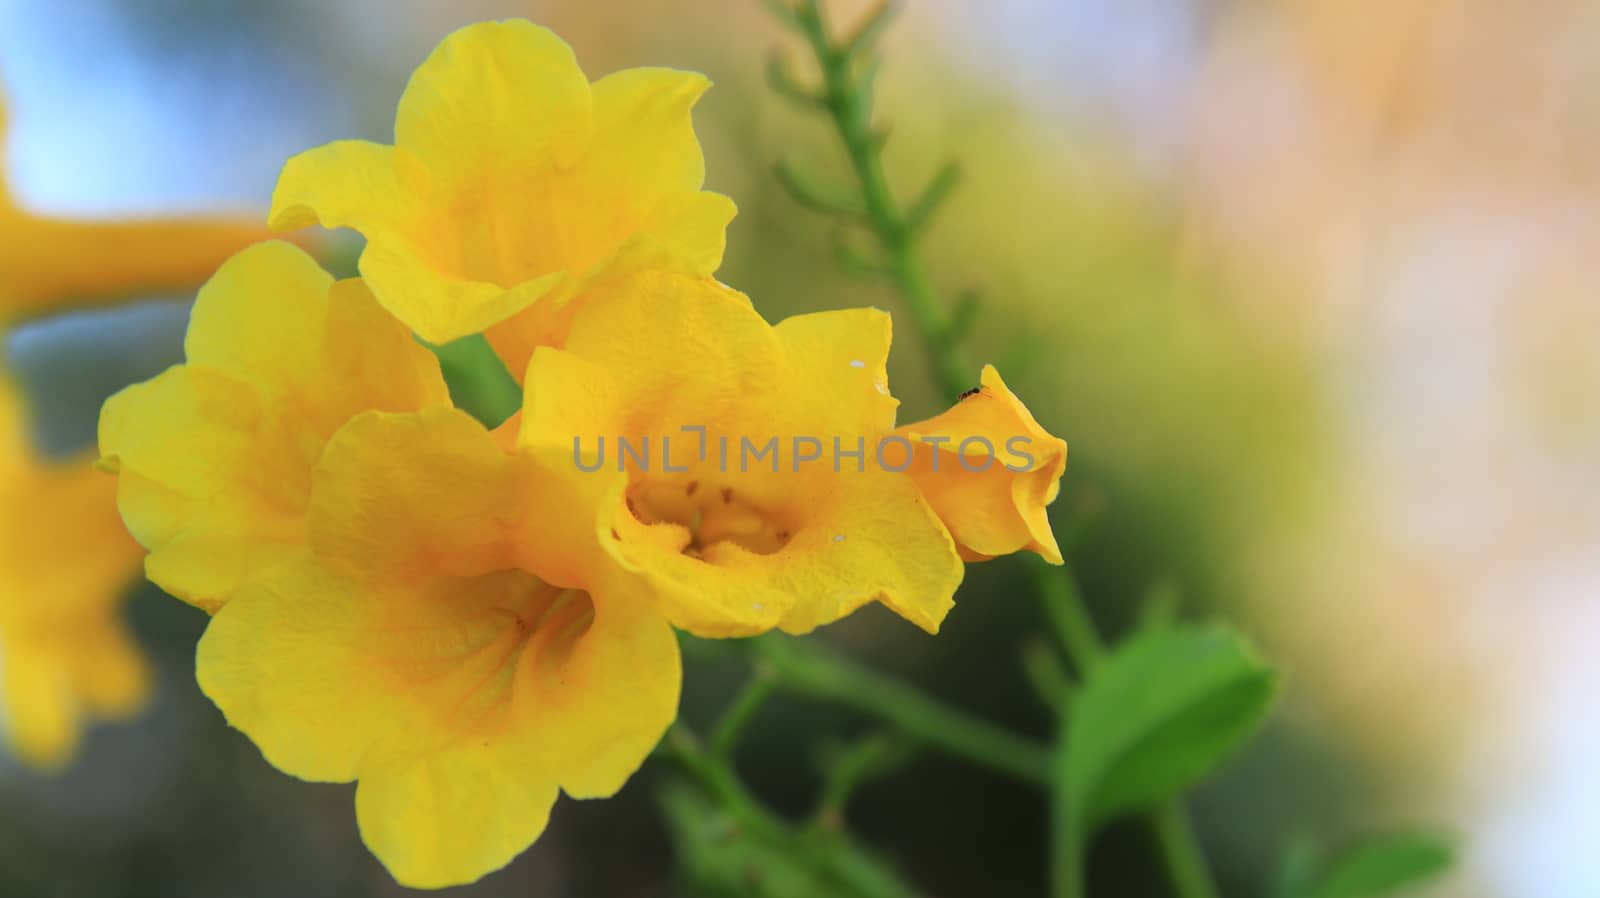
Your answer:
<point x="813" y="671"/>
<point x="754" y="850"/>
<point x="847" y="768"/>
<point x="846" y="97"/>
<point x="755" y="694"/>
<point x="850" y="108"/>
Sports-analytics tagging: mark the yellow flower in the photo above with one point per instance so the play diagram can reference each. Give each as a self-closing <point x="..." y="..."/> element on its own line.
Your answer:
<point x="215" y="456"/>
<point x="65" y="562"/>
<point x="512" y="181"/>
<point x="65" y="558"/>
<point x="459" y="643"/>
<point x="751" y="510"/>
<point x="399" y="597"/>
<point x="52" y="263"/>
<point x="988" y="469"/>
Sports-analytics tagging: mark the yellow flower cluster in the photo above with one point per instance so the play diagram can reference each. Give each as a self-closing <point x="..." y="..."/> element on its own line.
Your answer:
<point x="65" y="558"/>
<point x="469" y="621"/>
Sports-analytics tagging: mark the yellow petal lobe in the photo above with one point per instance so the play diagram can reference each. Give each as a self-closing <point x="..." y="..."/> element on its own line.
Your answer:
<point x="215" y="456"/>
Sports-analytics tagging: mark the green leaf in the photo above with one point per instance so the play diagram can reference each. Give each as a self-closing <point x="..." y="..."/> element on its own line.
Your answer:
<point x="1380" y="866"/>
<point x="1159" y="714"/>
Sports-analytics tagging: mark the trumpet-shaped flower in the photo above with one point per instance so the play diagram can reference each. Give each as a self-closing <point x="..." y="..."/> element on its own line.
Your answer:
<point x="457" y="640"/>
<point x="988" y="469"/>
<point x="215" y="456"/>
<point x="512" y="180"/>
<point x="49" y="263"/>
<point x="65" y="561"/>
<point x="762" y="504"/>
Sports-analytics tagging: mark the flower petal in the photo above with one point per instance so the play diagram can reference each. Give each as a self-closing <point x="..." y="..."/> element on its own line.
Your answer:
<point x="549" y="321"/>
<point x="433" y="493"/>
<point x="320" y="666"/>
<point x="250" y="319"/>
<point x="454" y="815"/>
<point x="589" y="703"/>
<point x="406" y="496"/>
<point x="502" y="98"/>
<point x="42" y="723"/>
<point x="208" y="483"/>
<point x="693" y="227"/>
<point x="603" y="708"/>
<point x="996" y="475"/>
<point x="66" y="561"/>
<point x="885" y="544"/>
<point x="348" y="184"/>
<point x="216" y="455"/>
<point x="682" y="350"/>
<point x="113" y="676"/>
<point x="838" y="378"/>
<point x="642" y="131"/>
<point x="856" y="537"/>
<point x="381" y="192"/>
<point x="56" y="675"/>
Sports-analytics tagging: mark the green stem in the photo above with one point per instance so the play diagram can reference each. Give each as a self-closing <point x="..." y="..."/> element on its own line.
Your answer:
<point x="838" y="866"/>
<point x="1185" y="859"/>
<point x="1068" y="613"/>
<point x="812" y="671"/>
<point x="847" y="771"/>
<point x="479" y="382"/>
<point x="851" y="112"/>
<point x="1066" y="850"/>
<point x="718" y="781"/>
<point x="754" y="694"/>
<point x="853" y="119"/>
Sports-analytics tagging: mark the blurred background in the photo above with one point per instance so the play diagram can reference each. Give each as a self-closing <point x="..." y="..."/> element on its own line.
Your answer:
<point x="1309" y="287"/>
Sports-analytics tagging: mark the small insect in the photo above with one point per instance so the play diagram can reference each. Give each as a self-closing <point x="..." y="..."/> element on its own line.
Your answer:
<point x="972" y="392"/>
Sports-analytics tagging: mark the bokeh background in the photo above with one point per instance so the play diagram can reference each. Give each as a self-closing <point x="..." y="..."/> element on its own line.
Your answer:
<point x="1310" y="288"/>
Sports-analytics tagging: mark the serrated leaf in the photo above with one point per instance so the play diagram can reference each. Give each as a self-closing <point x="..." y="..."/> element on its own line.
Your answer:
<point x="1382" y="866"/>
<point x="1158" y="715"/>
